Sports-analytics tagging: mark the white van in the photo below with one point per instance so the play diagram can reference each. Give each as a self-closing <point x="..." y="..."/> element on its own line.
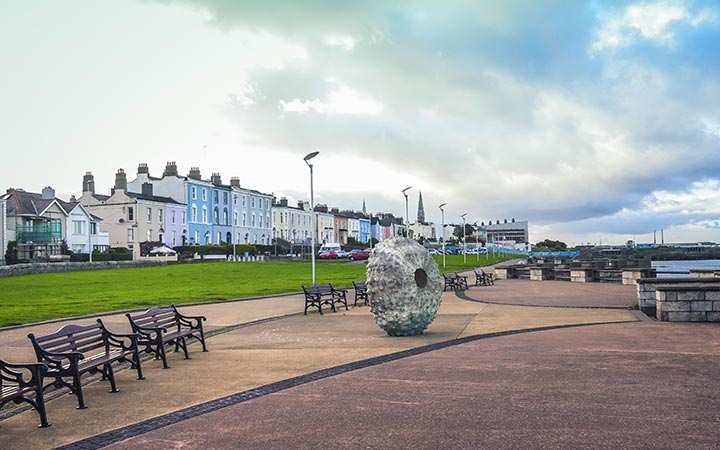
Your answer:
<point x="330" y="247"/>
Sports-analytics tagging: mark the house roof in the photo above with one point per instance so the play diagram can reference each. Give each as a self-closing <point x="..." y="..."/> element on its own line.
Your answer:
<point x="152" y="198"/>
<point x="29" y="204"/>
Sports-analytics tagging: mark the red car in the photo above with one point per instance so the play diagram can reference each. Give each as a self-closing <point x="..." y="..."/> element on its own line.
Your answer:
<point x="328" y="255"/>
<point x="358" y="255"/>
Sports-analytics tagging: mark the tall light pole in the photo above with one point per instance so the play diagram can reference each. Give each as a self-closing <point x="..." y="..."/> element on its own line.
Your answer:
<point x="477" y="242"/>
<point x="464" y="248"/>
<point x="442" y="215"/>
<point x="307" y="159"/>
<point x="407" y="216"/>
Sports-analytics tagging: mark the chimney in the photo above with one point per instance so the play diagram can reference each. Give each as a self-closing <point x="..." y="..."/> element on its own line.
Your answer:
<point x="235" y="181"/>
<point x="283" y="201"/>
<point x="194" y="173"/>
<point x="301" y="204"/>
<point x="215" y="179"/>
<point x="73" y="199"/>
<point x="335" y="210"/>
<point x="89" y="183"/>
<point x="147" y="189"/>
<point x="121" y="180"/>
<point x="143" y="168"/>
<point x="170" y="169"/>
<point x="48" y="193"/>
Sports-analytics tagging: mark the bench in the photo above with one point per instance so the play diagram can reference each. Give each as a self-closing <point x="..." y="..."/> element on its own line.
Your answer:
<point x="360" y="291"/>
<point x="454" y="281"/>
<point x="19" y="380"/>
<point x="74" y="350"/>
<point x="161" y="326"/>
<point x="483" y="278"/>
<point x="324" y="294"/>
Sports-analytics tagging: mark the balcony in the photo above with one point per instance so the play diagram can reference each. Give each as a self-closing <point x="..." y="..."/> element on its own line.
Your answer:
<point x="44" y="232"/>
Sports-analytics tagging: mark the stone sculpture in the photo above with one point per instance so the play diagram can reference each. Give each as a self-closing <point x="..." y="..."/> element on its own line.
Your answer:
<point x="404" y="286"/>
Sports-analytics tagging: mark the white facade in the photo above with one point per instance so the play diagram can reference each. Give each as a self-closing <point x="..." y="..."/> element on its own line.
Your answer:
<point x="354" y="228"/>
<point x="418" y="230"/>
<point x="3" y="230"/>
<point x="82" y="232"/>
<point x="293" y="224"/>
<point x="325" y="227"/>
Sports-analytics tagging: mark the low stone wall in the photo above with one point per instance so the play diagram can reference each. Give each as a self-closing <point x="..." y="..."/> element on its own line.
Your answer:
<point x="705" y="274"/>
<point x="581" y="275"/>
<point x="646" y="288"/>
<point x="688" y="304"/>
<point x="631" y="276"/>
<point x="27" y="269"/>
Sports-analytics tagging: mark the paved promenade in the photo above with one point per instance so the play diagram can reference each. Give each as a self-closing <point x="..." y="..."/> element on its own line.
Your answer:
<point x="488" y="373"/>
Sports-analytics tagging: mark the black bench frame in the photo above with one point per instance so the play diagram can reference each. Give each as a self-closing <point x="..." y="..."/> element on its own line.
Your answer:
<point x="483" y="278"/>
<point x="161" y="326"/>
<point x="360" y="291"/>
<point x="15" y="385"/>
<point x="72" y="351"/>
<point x="324" y="294"/>
<point x="454" y="281"/>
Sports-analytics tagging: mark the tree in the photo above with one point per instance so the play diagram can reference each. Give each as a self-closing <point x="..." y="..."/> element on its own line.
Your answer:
<point x="10" y="256"/>
<point x="550" y="245"/>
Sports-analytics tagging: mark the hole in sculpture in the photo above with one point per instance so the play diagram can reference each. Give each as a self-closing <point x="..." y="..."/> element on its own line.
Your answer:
<point x="420" y="278"/>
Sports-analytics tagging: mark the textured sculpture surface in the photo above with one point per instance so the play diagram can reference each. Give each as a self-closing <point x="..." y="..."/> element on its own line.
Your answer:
<point x="404" y="286"/>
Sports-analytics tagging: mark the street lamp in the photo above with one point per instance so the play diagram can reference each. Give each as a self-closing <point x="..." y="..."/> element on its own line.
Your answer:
<point x="275" y="239"/>
<point x="477" y="242"/>
<point x="442" y="215"/>
<point x="464" y="248"/>
<point x="407" y="216"/>
<point x="307" y="159"/>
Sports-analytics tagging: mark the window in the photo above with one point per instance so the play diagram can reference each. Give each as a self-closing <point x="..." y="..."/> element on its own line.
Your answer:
<point x="149" y="215"/>
<point x="131" y="235"/>
<point x="235" y="200"/>
<point x="182" y="218"/>
<point x="260" y="221"/>
<point x="173" y="242"/>
<point x="78" y="248"/>
<point x="193" y="192"/>
<point x="225" y="198"/>
<point x="204" y="215"/>
<point x="216" y="216"/>
<point x="93" y="228"/>
<point x="225" y="217"/>
<point x="160" y="216"/>
<point x="172" y="217"/>
<point x="215" y="196"/>
<point x="193" y="213"/>
<point x="149" y="235"/>
<point x="252" y="224"/>
<point x="131" y="214"/>
<point x="244" y="219"/>
<point x="244" y="200"/>
<point x="78" y="227"/>
<point x="196" y="239"/>
<point x="204" y="194"/>
<point x="235" y="218"/>
<point x="252" y="204"/>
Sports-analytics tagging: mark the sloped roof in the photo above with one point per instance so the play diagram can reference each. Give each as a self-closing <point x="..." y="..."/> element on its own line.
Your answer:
<point x="28" y="204"/>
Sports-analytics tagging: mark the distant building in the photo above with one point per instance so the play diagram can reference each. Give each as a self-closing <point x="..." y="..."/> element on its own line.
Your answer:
<point x="3" y="232"/>
<point x="510" y="232"/>
<point x="40" y="223"/>
<point x="292" y="223"/>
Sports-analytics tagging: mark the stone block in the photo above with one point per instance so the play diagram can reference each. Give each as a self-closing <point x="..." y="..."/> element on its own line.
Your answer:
<point x="671" y="296"/>
<point x="712" y="295"/>
<point x="673" y="306"/>
<point x="716" y="306"/>
<point x="701" y="306"/>
<point x="713" y="316"/>
<point x="690" y="295"/>
<point x="678" y="316"/>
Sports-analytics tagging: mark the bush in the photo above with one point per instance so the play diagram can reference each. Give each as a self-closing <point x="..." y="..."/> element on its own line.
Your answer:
<point x="10" y="254"/>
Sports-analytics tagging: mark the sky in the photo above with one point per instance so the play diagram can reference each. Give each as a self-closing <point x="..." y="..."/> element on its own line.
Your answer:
<point x="596" y="121"/>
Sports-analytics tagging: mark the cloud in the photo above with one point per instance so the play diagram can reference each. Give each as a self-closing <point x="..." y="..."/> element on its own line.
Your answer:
<point x="650" y="21"/>
<point x="342" y="100"/>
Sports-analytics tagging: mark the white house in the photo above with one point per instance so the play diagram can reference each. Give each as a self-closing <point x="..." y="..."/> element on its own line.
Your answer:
<point x="82" y="231"/>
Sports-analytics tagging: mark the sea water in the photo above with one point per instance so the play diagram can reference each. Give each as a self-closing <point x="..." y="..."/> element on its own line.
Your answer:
<point x="684" y="266"/>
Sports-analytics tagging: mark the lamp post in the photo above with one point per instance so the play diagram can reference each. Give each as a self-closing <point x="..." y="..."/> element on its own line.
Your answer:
<point x="407" y="216"/>
<point x="477" y="243"/>
<point x="463" y="235"/>
<point x="307" y="159"/>
<point x="442" y="215"/>
<point x="275" y="239"/>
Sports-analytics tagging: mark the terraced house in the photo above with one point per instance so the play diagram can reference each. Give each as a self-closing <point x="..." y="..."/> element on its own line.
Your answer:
<point x="40" y="223"/>
<point x="216" y="213"/>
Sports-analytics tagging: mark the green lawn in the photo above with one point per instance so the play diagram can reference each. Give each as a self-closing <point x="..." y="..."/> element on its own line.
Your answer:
<point x="34" y="298"/>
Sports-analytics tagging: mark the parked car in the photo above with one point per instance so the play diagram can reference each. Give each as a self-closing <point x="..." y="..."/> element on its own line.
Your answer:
<point x="433" y="251"/>
<point x="358" y="255"/>
<point x="328" y="255"/>
<point x="342" y="254"/>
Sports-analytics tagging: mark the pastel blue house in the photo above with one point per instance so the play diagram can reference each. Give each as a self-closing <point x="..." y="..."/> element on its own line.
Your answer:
<point x="221" y="207"/>
<point x="364" y="230"/>
<point x="200" y="206"/>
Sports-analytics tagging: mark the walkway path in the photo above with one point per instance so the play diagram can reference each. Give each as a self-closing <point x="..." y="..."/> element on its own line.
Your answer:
<point x="266" y="355"/>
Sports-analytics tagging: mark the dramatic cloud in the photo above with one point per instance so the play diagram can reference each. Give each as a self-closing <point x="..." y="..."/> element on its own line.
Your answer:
<point x="585" y="118"/>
